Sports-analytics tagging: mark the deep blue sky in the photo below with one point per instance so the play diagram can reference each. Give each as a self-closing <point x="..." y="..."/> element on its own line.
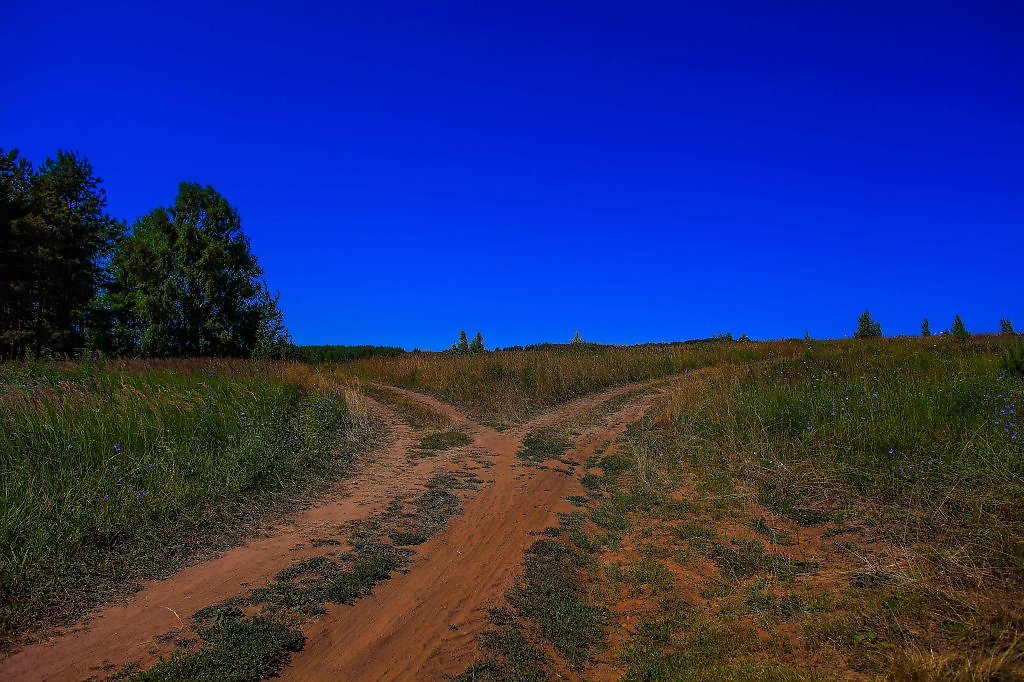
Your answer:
<point x="639" y="171"/>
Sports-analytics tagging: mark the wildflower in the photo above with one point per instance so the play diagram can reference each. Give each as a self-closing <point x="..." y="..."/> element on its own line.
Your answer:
<point x="117" y="448"/>
<point x="891" y="451"/>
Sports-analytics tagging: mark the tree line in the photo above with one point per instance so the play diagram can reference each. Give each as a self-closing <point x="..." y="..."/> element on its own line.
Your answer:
<point x="868" y="327"/>
<point x="180" y="281"/>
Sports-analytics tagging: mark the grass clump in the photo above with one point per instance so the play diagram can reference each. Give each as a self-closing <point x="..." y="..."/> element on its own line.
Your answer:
<point x="234" y="650"/>
<point x="549" y="594"/>
<point x="741" y="559"/>
<point x="510" y="655"/>
<point x="445" y="440"/>
<point x="541" y="445"/>
<point x="429" y="513"/>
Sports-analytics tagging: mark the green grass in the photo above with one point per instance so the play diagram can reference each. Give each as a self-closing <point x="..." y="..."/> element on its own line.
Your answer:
<point x="117" y="471"/>
<point x="930" y="429"/>
<point x="429" y="512"/>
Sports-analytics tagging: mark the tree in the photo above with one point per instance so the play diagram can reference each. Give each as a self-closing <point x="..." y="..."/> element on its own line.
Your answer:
<point x="477" y="344"/>
<point x="926" y="329"/>
<point x="867" y="327"/>
<point x="21" y="241"/>
<point x="462" y="345"/>
<point x="1006" y="327"/>
<point x="577" y="340"/>
<point x="187" y="283"/>
<point x="273" y="340"/>
<point x="958" y="330"/>
<point x="58" y="241"/>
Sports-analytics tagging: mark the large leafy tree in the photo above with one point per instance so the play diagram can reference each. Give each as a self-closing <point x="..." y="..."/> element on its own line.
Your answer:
<point x="187" y="283"/>
<point x="58" y="240"/>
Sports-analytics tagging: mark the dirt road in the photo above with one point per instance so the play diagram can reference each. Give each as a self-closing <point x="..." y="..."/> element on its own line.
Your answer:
<point x="421" y="623"/>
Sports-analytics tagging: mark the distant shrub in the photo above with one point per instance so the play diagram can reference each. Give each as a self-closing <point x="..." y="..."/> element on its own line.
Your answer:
<point x="462" y="345"/>
<point x="926" y="329"/>
<point x="958" y="330"/>
<point x="1006" y="327"/>
<point x="867" y="327"/>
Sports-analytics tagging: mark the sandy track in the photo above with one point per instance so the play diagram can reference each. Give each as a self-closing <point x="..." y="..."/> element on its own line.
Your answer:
<point x="420" y="624"/>
<point x="117" y="634"/>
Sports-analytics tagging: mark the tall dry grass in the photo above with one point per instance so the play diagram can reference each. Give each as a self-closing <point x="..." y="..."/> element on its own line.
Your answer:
<point x="509" y="387"/>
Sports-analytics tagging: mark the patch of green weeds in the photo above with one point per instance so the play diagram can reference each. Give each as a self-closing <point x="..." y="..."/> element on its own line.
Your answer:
<point x="775" y="536"/>
<point x="445" y="440"/>
<point x="430" y="511"/>
<point x="509" y="656"/>
<point x="217" y="613"/>
<point x="760" y="600"/>
<point x="741" y="559"/>
<point x="612" y="512"/>
<point x="549" y="594"/>
<point x="237" y="650"/>
<point x="541" y="445"/>
<point x="614" y="464"/>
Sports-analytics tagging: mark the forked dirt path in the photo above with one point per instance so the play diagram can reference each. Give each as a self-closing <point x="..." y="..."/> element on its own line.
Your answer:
<point x="421" y="624"/>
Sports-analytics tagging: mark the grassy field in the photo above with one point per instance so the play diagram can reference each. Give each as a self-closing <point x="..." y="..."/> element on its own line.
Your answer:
<point x="115" y="471"/>
<point x="854" y="511"/>
<point x="788" y="510"/>
<point x="507" y="387"/>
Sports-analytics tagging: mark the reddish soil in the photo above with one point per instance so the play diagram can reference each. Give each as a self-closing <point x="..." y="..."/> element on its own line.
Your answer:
<point x="423" y="625"/>
<point x="420" y="624"/>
